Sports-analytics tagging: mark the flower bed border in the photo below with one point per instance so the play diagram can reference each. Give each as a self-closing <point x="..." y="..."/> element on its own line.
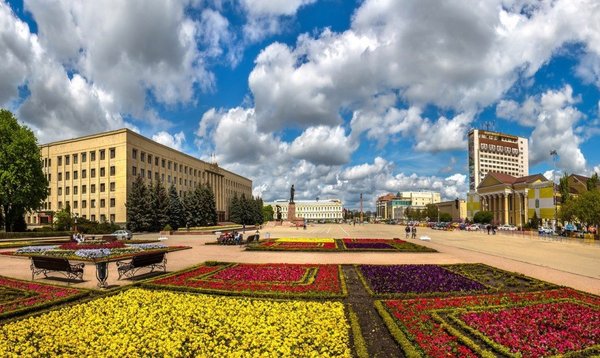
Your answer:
<point x="41" y="306"/>
<point x="103" y="259"/>
<point x="410" y="346"/>
<point x="537" y="285"/>
<point x="341" y="247"/>
<point x="251" y="294"/>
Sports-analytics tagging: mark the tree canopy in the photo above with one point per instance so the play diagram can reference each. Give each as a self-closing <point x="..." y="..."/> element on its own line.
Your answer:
<point x="23" y="185"/>
<point x="483" y="217"/>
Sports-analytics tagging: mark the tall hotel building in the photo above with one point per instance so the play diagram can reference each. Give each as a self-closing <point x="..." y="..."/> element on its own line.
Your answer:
<point x="94" y="174"/>
<point x="496" y="152"/>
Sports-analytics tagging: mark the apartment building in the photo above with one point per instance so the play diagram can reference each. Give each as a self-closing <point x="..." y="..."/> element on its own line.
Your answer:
<point x="93" y="175"/>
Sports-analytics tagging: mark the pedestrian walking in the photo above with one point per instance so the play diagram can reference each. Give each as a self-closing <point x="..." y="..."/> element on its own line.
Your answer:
<point x="414" y="231"/>
<point x="407" y="230"/>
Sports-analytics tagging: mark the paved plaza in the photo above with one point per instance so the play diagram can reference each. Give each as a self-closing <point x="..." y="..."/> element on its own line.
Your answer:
<point x="572" y="263"/>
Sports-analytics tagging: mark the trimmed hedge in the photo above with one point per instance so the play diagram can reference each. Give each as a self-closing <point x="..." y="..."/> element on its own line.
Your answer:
<point x="32" y="234"/>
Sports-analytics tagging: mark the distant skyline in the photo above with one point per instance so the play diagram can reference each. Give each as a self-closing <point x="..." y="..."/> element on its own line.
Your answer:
<point x="336" y="97"/>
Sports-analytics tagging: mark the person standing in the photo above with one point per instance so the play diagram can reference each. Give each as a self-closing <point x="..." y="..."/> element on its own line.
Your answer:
<point x="407" y="230"/>
<point x="414" y="231"/>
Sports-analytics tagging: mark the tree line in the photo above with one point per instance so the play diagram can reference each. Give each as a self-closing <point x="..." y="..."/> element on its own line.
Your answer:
<point x="247" y="211"/>
<point x="583" y="208"/>
<point x="151" y="207"/>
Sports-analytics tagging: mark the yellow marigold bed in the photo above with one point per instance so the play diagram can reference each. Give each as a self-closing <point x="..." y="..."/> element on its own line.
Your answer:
<point x="156" y="323"/>
<point x="306" y="239"/>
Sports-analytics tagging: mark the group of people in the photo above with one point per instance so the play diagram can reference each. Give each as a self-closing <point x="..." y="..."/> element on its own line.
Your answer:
<point x="77" y="237"/>
<point x="230" y="238"/>
<point x="492" y="228"/>
<point x="411" y="230"/>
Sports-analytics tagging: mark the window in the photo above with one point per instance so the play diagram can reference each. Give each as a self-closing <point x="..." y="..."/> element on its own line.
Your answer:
<point x="67" y="160"/>
<point x="112" y="186"/>
<point x="149" y="175"/>
<point x="75" y="203"/>
<point x="84" y="204"/>
<point x="102" y="203"/>
<point x="185" y="170"/>
<point x="59" y="190"/>
<point x="112" y="218"/>
<point x="49" y="191"/>
<point x="142" y="173"/>
<point x="156" y="175"/>
<point x="102" y="172"/>
<point x="75" y="190"/>
<point x="175" y="166"/>
<point x="102" y="218"/>
<point x="102" y="187"/>
<point x="169" y="165"/>
<point x="162" y="177"/>
<point x="93" y="203"/>
<point x="59" y="160"/>
<point x="59" y="205"/>
<point x="102" y="154"/>
<point x="93" y="188"/>
<point x="75" y="174"/>
<point x="83" y="157"/>
<point x="149" y="158"/>
<point x="49" y="162"/>
<point x="134" y="153"/>
<point x="112" y="153"/>
<point x="180" y="181"/>
<point x="83" y="173"/>
<point x="67" y="190"/>
<point x="93" y="217"/>
<point x="156" y="161"/>
<point x="92" y="156"/>
<point x="169" y="179"/>
<point x="112" y="202"/>
<point x="67" y="175"/>
<point x="163" y="163"/>
<point x="93" y="172"/>
<point x="75" y="159"/>
<point x="143" y="156"/>
<point x="134" y="171"/>
<point x="59" y="176"/>
<point x="83" y="189"/>
<point x="112" y="170"/>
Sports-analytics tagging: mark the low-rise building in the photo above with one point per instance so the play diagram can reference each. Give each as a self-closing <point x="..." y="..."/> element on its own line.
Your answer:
<point x="456" y="208"/>
<point x="312" y="210"/>
<point x="393" y="207"/>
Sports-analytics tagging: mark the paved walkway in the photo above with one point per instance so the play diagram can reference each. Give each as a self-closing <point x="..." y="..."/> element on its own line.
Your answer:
<point x="573" y="264"/>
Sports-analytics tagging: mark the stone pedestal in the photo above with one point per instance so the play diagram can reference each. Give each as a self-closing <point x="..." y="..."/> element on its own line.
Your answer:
<point x="291" y="214"/>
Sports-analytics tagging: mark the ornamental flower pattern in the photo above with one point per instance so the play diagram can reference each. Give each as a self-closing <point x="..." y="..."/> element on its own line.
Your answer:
<point x="440" y="326"/>
<point x="167" y="324"/>
<point x="383" y="279"/>
<point x="328" y="244"/>
<point x="291" y="280"/>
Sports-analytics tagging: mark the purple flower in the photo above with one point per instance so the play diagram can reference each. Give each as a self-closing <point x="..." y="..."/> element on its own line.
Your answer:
<point x="416" y="279"/>
<point x="368" y="245"/>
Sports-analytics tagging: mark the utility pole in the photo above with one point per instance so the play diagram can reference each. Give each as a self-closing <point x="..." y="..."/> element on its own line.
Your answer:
<point x="554" y="155"/>
<point x="361" y="208"/>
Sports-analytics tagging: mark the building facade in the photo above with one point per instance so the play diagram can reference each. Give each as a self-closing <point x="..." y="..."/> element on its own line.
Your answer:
<point x="496" y="152"/>
<point x="94" y="174"/>
<point x="393" y="207"/>
<point x="456" y="208"/>
<point x="515" y="200"/>
<point x="314" y="210"/>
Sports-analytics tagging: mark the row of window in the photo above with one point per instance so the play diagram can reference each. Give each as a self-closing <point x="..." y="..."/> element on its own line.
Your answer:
<point x="112" y="187"/>
<point x="111" y="171"/>
<point x="499" y="149"/>
<point x="83" y="156"/>
<point x="112" y="203"/>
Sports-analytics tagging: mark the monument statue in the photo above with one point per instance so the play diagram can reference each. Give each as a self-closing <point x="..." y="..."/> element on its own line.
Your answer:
<point x="278" y="212"/>
<point x="292" y="191"/>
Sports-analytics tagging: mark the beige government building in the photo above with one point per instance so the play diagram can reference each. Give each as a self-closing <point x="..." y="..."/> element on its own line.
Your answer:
<point x="94" y="174"/>
<point x="314" y="210"/>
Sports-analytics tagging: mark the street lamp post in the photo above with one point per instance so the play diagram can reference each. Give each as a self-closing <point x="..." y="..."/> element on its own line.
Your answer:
<point x="554" y="155"/>
<point x="75" y="222"/>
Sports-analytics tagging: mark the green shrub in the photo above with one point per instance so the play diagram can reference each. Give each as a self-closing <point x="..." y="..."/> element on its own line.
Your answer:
<point x="167" y="228"/>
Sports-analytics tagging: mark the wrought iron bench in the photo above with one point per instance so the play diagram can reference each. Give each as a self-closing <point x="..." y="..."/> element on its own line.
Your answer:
<point x="43" y="265"/>
<point x="153" y="260"/>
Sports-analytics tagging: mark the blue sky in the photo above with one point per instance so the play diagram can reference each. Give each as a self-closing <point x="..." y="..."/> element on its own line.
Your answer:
<point x="336" y="97"/>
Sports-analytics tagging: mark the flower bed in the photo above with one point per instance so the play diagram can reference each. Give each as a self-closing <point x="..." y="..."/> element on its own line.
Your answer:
<point x="393" y="281"/>
<point x="158" y="323"/>
<point x="18" y="296"/>
<point x="531" y="324"/>
<point x="94" y="252"/>
<point x="327" y="244"/>
<point x="285" y="280"/>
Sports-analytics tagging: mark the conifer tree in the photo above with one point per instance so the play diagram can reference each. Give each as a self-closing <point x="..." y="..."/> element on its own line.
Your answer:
<point x="176" y="211"/>
<point x="159" y="206"/>
<point x="234" y="209"/>
<point x="209" y="206"/>
<point x="138" y="204"/>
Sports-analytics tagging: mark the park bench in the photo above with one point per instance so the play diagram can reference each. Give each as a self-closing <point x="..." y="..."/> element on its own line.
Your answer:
<point x="43" y="265"/>
<point x="252" y="238"/>
<point x="153" y="260"/>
